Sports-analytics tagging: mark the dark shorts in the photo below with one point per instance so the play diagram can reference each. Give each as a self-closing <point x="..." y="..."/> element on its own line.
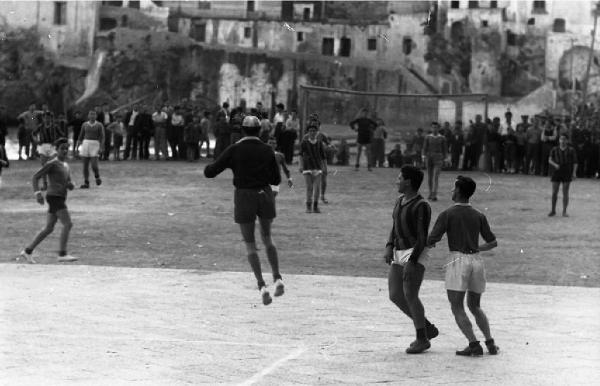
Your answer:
<point x="117" y="141"/>
<point x="56" y="203"/>
<point x="250" y="203"/>
<point x="561" y="176"/>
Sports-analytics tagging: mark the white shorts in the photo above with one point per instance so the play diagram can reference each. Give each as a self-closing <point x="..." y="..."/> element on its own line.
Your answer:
<point x="89" y="148"/>
<point x="314" y="172"/>
<point x="275" y="188"/>
<point x="465" y="273"/>
<point x="401" y="256"/>
<point x="47" y="150"/>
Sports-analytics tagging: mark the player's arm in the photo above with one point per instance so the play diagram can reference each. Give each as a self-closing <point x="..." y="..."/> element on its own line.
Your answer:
<point x="488" y="236"/>
<point x="352" y="124"/>
<point x="101" y="135"/>
<point x="423" y="219"/>
<point x="36" y="182"/>
<point x="551" y="159"/>
<point x="436" y="234"/>
<point x="81" y="135"/>
<point x="221" y="163"/>
<point x="275" y="175"/>
<point x="388" y="256"/>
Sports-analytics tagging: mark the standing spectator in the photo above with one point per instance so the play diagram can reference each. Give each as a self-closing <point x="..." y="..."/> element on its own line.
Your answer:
<point x="61" y="126"/>
<point x="478" y="140"/>
<point x="91" y="140"/>
<point x="235" y="123"/>
<point x="75" y="125"/>
<point x="46" y="133"/>
<point x="254" y="169"/>
<point x="532" y="153"/>
<point x="175" y="134"/>
<point x="145" y="128"/>
<point x="469" y="148"/>
<point x="106" y="118"/>
<point x="159" y="119"/>
<point x="24" y="139"/>
<point x="30" y="123"/>
<point x="222" y="130"/>
<point x="493" y="155"/>
<point x="312" y="155"/>
<point x="266" y="128"/>
<point x="457" y="142"/>
<point x="343" y="153"/>
<point x="364" y="126"/>
<point x="548" y="139"/>
<point x="191" y="137"/>
<point x="379" y="137"/>
<point x="394" y="157"/>
<point x="510" y="150"/>
<point x="117" y="129"/>
<point x="521" y="142"/>
<point x="289" y="135"/>
<point x="3" y="126"/>
<point x="131" y="141"/>
<point x="205" y="124"/>
<point x="416" y="146"/>
<point x="563" y="159"/>
<point x="434" y="156"/>
<point x="279" y="122"/>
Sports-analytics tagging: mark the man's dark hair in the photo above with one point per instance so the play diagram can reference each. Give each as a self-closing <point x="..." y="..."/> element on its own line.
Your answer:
<point x="60" y="141"/>
<point x="280" y="106"/>
<point x="226" y="105"/>
<point x="465" y="185"/>
<point x="413" y="174"/>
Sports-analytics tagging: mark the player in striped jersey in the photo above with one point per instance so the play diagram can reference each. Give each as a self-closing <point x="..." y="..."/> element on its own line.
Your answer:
<point x="312" y="154"/>
<point x="564" y="161"/>
<point x="407" y="255"/>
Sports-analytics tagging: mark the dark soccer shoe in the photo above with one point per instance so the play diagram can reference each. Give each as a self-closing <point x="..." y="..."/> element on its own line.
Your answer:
<point x="266" y="296"/>
<point x="98" y="181"/>
<point x="418" y="346"/>
<point x="472" y="350"/>
<point x="432" y="331"/>
<point x="491" y="346"/>
<point x="84" y="186"/>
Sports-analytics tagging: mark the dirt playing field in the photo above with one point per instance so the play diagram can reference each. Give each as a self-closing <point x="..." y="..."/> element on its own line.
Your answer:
<point x="167" y="214"/>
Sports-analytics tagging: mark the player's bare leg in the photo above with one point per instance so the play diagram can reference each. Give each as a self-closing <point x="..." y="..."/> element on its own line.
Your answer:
<point x="252" y="252"/>
<point x="456" y="299"/>
<point x="265" y="233"/>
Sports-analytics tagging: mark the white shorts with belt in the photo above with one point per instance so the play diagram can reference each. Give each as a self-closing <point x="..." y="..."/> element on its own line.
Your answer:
<point x="465" y="273"/>
<point x="401" y="256"/>
<point x="89" y="148"/>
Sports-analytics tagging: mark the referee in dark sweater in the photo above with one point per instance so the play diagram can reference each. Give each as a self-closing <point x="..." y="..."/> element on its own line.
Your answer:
<point x="254" y="169"/>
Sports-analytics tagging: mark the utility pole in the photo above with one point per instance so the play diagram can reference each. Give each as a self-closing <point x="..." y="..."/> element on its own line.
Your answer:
<point x="589" y="63"/>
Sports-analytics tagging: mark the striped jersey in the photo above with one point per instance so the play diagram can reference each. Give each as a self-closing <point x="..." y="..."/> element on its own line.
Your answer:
<point x="313" y="154"/>
<point x="47" y="134"/>
<point x="410" y="225"/>
<point x="566" y="159"/>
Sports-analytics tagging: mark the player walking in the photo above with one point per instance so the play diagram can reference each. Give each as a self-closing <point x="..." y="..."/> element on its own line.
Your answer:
<point x="59" y="181"/>
<point x="465" y="270"/>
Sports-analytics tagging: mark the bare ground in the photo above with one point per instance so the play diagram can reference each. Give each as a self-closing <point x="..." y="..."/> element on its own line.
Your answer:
<point x="166" y="214"/>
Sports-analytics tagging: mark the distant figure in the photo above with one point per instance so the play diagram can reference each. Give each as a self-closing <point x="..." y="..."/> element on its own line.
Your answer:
<point x="91" y="140"/>
<point x="378" y="150"/>
<point x="563" y="159"/>
<point x="364" y="127"/>
<point x="343" y="153"/>
<point x="395" y="158"/>
<point x="434" y="155"/>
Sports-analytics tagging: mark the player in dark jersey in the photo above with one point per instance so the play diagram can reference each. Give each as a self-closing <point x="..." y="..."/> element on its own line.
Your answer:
<point x="465" y="270"/>
<point x="281" y="162"/>
<point x="254" y="169"/>
<point x="564" y="161"/>
<point x="407" y="256"/>
<point x="59" y="181"/>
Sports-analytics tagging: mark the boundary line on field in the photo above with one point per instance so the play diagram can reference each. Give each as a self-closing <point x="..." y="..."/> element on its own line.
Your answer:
<point x="267" y="370"/>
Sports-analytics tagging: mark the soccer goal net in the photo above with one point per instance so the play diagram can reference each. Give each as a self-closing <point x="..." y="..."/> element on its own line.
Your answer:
<point x="402" y="114"/>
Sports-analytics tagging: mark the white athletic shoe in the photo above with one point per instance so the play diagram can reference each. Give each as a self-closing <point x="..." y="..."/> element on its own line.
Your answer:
<point x="27" y="256"/>
<point x="279" y="287"/>
<point x="67" y="258"/>
<point x="266" y="296"/>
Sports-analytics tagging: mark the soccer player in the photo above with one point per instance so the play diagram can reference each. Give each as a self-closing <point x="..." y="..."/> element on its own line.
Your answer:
<point x="313" y="159"/>
<point x="364" y="127"/>
<point x="282" y="164"/>
<point x="465" y="270"/>
<point x="254" y="169"/>
<point x="59" y="181"/>
<point x="434" y="154"/>
<point x="47" y="134"/>
<point x="407" y="256"/>
<point x="91" y="139"/>
<point x="3" y="161"/>
<point x="564" y="161"/>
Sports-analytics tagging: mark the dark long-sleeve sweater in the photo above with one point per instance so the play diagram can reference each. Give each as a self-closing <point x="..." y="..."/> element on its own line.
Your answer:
<point x="252" y="161"/>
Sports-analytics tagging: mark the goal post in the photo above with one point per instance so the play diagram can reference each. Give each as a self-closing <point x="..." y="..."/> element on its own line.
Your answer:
<point x="401" y="113"/>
